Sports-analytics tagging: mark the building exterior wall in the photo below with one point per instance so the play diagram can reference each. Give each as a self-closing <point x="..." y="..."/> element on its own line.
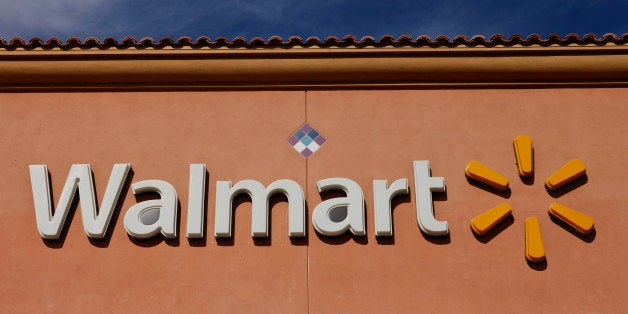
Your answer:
<point x="372" y="133"/>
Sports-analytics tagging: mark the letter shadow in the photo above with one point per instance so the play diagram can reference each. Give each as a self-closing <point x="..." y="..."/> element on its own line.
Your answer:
<point x="159" y="238"/>
<point x="588" y="238"/>
<point x="505" y="194"/>
<point x="343" y="238"/>
<point x="104" y="242"/>
<point x="396" y="201"/>
<point x="202" y="242"/>
<point x="225" y="241"/>
<point x="440" y="240"/>
<point x="347" y="235"/>
<point x="501" y="226"/>
<point x="569" y="186"/>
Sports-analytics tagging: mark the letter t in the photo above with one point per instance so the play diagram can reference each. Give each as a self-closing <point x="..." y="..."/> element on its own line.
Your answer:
<point x="424" y="185"/>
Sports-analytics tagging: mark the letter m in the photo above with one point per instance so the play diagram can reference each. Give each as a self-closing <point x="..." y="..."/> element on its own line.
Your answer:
<point x="260" y="196"/>
<point x="95" y="222"/>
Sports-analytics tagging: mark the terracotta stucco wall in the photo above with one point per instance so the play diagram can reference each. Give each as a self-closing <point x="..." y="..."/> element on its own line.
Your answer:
<point x="370" y="135"/>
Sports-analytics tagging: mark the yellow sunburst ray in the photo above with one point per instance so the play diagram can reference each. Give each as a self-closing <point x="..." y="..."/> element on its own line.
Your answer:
<point x="485" y="221"/>
<point x="479" y="172"/>
<point x="535" y="252"/>
<point x="567" y="173"/>
<point x="524" y="155"/>
<point x="582" y="223"/>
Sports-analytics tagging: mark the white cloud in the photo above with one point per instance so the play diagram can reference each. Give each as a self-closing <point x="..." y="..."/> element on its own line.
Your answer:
<point x="42" y="18"/>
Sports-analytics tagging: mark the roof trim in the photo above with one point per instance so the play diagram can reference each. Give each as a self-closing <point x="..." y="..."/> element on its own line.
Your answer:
<point x="260" y="65"/>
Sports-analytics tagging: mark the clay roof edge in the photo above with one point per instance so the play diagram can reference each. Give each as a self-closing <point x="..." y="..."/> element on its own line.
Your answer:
<point x="295" y="41"/>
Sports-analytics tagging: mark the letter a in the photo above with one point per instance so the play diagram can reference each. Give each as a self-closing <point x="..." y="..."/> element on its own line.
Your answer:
<point x="166" y="205"/>
<point x="354" y="201"/>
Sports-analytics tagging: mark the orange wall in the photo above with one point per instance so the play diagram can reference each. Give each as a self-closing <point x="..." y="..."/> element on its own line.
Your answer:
<point x="371" y="135"/>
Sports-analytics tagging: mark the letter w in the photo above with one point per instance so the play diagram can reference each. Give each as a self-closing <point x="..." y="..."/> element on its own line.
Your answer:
<point x="95" y="222"/>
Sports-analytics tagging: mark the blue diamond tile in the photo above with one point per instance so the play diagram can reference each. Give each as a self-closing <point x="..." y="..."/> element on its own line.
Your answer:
<point x="306" y="140"/>
<point x="299" y="134"/>
<point x="306" y="128"/>
<point x="312" y="133"/>
<point x="292" y="140"/>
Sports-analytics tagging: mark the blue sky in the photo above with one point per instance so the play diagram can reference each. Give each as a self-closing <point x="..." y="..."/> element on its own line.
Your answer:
<point x="260" y="18"/>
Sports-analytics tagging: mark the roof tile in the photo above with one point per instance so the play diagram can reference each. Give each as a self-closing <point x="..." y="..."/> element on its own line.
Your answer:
<point x="331" y="41"/>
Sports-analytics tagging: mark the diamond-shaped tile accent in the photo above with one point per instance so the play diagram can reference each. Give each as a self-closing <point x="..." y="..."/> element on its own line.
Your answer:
<point x="306" y="140"/>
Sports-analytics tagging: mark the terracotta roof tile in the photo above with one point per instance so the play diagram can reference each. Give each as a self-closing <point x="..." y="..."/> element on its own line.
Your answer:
<point x="295" y="41"/>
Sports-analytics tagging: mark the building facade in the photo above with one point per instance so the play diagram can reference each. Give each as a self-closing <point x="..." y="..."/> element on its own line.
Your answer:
<point x="378" y="109"/>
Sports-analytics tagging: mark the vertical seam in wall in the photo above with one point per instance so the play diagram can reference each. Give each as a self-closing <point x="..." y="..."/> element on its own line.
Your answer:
<point x="307" y="245"/>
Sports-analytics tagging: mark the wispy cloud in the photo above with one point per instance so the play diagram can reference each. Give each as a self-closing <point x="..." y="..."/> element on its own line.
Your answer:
<point x="32" y="18"/>
<point x="265" y="18"/>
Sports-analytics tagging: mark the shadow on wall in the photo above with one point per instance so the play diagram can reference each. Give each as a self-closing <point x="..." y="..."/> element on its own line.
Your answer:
<point x="505" y="193"/>
<point x="538" y="266"/>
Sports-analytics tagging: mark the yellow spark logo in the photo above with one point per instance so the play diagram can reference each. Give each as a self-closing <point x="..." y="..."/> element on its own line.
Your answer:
<point x="484" y="222"/>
